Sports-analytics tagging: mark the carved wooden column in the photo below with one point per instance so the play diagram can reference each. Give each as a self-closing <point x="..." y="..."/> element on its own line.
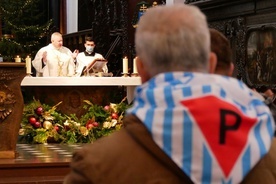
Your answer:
<point x="11" y="106"/>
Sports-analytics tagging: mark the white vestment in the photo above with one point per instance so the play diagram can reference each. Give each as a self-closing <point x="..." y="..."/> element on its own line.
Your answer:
<point x="59" y="62"/>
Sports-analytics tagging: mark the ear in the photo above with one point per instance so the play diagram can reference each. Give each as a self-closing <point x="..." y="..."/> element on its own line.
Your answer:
<point x="231" y="70"/>
<point x="212" y="62"/>
<point x="142" y="70"/>
<point x="269" y="93"/>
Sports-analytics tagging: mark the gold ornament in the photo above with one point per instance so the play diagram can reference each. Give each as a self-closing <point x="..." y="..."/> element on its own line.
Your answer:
<point x="47" y="125"/>
<point x="84" y="131"/>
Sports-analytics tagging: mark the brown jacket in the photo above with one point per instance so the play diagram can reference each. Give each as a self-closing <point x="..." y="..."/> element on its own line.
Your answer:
<point x="131" y="156"/>
<point x="265" y="171"/>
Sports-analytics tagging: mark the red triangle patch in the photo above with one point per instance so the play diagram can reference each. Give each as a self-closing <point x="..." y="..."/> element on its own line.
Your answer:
<point x="224" y="127"/>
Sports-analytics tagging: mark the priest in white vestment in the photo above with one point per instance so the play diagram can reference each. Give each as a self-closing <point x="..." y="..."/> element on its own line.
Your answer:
<point x="55" y="60"/>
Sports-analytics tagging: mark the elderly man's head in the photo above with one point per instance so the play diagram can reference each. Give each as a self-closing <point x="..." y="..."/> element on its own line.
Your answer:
<point x="57" y="40"/>
<point x="172" y="38"/>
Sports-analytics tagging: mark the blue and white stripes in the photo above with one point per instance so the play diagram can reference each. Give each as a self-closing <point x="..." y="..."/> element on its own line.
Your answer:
<point x="177" y="129"/>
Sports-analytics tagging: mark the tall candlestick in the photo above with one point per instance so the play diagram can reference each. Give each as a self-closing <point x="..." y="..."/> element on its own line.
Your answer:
<point x="134" y="65"/>
<point x="28" y="65"/>
<point x="125" y="65"/>
<point x="17" y="59"/>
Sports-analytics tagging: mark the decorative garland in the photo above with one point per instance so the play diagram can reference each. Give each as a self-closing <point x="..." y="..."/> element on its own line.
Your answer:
<point x="42" y="123"/>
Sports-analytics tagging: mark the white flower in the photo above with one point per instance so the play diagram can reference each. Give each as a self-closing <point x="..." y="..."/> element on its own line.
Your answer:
<point x="66" y="123"/>
<point x="77" y="124"/>
<point x="114" y="122"/>
<point x="107" y="124"/>
<point x="21" y="131"/>
<point x="48" y="117"/>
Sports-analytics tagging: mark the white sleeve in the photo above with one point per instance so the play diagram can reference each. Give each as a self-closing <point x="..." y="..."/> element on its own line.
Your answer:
<point x="80" y="63"/>
<point x="37" y="62"/>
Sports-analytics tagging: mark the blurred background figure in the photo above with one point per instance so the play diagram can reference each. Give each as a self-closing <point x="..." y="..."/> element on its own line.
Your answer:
<point x="221" y="47"/>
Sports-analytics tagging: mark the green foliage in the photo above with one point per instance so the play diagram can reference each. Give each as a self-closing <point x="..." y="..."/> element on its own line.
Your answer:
<point x="23" y="22"/>
<point x="41" y="123"/>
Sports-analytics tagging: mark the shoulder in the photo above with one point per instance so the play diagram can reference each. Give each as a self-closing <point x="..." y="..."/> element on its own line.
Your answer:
<point x="119" y="149"/>
<point x="264" y="171"/>
<point x="258" y="95"/>
<point x="45" y="48"/>
<point x="65" y="49"/>
<point x="128" y="150"/>
<point x="81" y="54"/>
<point x="98" y="55"/>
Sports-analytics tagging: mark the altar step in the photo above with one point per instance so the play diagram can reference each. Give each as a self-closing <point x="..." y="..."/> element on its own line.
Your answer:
<point x="39" y="163"/>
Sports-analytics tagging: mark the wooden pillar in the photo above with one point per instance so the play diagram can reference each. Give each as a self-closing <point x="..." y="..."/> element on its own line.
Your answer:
<point x="63" y="17"/>
<point x="0" y="24"/>
<point x="11" y="105"/>
<point x="55" y="13"/>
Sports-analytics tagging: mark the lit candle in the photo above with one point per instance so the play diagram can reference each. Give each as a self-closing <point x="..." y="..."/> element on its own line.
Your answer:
<point x="17" y="59"/>
<point x="28" y="65"/>
<point x="125" y="65"/>
<point x="134" y="65"/>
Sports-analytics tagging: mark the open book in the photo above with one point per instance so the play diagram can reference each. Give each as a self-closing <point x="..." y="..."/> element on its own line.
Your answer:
<point x="94" y="67"/>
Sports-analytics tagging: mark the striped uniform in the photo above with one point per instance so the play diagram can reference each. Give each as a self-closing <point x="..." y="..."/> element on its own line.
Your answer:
<point x="213" y="127"/>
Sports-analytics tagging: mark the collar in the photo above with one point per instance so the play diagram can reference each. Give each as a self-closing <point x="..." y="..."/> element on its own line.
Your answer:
<point x="184" y="113"/>
<point x="89" y="54"/>
<point x="54" y="48"/>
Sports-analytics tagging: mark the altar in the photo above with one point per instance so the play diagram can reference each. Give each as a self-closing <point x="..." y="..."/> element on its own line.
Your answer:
<point x="49" y="163"/>
<point x="71" y="91"/>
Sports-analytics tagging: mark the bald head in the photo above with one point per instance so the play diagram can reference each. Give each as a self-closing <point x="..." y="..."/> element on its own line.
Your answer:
<point x="56" y="39"/>
<point x="173" y="38"/>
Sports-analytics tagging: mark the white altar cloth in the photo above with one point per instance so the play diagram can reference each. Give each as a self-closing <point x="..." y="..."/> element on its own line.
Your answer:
<point x="129" y="82"/>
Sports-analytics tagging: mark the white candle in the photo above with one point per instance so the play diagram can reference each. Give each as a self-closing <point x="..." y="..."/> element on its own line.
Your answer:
<point x="17" y="59"/>
<point x="125" y="65"/>
<point x="134" y="65"/>
<point x="28" y="65"/>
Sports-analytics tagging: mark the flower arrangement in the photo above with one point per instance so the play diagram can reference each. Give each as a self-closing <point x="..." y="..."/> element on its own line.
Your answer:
<point x="42" y="123"/>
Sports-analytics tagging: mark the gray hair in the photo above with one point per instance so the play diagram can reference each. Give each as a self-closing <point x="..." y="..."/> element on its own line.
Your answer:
<point x="55" y="35"/>
<point x="173" y="38"/>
